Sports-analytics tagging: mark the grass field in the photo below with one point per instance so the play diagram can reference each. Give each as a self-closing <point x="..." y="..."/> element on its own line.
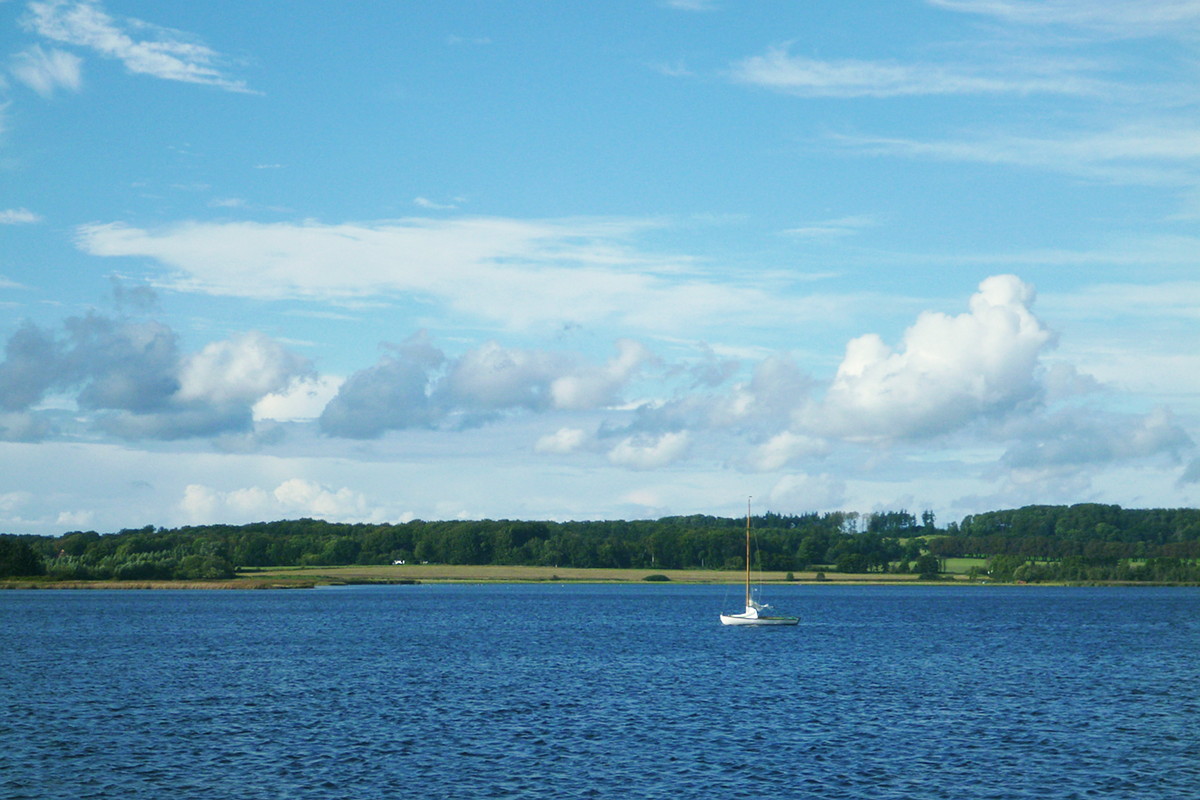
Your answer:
<point x="458" y="573"/>
<point x="308" y="577"/>
<point x="961" y="566"/>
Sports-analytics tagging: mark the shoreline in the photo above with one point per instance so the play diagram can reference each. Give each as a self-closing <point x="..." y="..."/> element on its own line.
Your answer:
<point x="314" y="577"/>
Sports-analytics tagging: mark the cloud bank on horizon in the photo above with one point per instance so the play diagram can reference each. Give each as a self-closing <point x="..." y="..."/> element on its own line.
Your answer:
<point x="948" y="266"/>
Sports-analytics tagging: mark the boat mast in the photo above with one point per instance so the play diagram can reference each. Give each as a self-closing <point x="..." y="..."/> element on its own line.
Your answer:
<point x="748" y="552"/>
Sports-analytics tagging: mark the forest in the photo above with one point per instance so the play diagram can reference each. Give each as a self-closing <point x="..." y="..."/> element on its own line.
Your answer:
<point x="1078" y="543"/>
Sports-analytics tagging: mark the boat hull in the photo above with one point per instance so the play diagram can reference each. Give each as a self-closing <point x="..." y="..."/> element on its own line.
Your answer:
<point x="739" y="619"/>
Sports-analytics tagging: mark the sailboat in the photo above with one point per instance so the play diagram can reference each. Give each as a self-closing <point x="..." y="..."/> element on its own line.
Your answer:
<point x="753" y="614"/>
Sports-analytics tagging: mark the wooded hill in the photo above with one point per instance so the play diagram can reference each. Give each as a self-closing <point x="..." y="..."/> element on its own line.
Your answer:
<point x="1080" y="542"/>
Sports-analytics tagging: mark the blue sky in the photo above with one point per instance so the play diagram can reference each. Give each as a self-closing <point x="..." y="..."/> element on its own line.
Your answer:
<point x="566" y="260"/>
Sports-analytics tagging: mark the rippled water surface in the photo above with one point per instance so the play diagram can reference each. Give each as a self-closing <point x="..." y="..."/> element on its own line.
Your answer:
<point x="600" y="691"/>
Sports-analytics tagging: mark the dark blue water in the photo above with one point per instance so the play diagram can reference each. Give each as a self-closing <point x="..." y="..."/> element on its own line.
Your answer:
<point x="600" y="691"/>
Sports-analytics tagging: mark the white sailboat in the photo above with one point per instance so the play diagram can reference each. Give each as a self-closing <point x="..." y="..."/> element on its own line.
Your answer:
<point x="753" y="615"/>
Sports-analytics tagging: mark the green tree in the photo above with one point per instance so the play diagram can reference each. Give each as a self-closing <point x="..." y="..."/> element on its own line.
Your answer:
<point x="18" y="559"/>
<point x="927" y="567"/>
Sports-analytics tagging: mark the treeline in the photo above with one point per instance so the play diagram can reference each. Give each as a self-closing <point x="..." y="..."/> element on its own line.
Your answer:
<point x="1086" y="542"/>
<point x="1090" y="531"/>
<point x="1082" y="569"/>
<point x="845" y="540"/>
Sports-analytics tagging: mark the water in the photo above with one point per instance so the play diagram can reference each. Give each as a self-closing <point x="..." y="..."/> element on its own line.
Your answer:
<point x="600" y="692"/>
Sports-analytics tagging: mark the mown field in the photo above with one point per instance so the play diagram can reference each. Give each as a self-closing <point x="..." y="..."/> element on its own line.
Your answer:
<point x="432" y="573"/>
<point x="308" y="577"/>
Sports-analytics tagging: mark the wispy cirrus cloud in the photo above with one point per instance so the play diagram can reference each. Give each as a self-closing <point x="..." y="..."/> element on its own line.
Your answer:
<point x="1113" y="17"/>
<point x="44" y="72"/>
<point x="520" y="273"/>
<point x="1149" y="154"/>
<point x="18" y="216"/>
<point x="143" y="48"/>
<point x="691" y="5"/>
<point x="832" y="228"/>
<point x="780" y="70"/>
<point x="434" y="205"/>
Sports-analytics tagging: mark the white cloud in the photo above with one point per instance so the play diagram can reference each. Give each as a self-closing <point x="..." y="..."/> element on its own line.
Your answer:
<point x="163" y="53"/>
<point x="948" y="371"/>
<point x="425" y="202"/>
<point x="561" y="442"/>
<point x="832" y="228"/>
<point x="415" y="385"/>
<point x="786" y="447"/>
<point x="44" y="72"/>
<point x="649" y="452"/>
<point x="1179" y="300"/>
<point x="806" y="77"/>
<point x="302" y="399"/>
<point x="241" y="370"/>
<point x="294" y="497"/>
<point x="802" y="493"/>
<point x="77" y="520"/>
<point x="1079" y="439"/>
<point x="594" y="387"/>
<point x="18" y="216"/>
<point x="391" y="395"/>
<point x="11" y="501"/>
<point x="1114" y="17"/>
<point x="1147" y="153"/>
<point x="519" y="273"/>
<point x="23" y="427"/>
<point x="128" y="378"/>
<point x="199" y="504"/>
<point x="492" y="377"/>
<point x="691" y="5"/>
<point x="333" y="504"/>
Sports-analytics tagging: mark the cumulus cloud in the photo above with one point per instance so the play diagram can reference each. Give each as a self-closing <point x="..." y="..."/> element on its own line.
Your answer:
<point x="295" y="497"/>
<point x="132" y="380"/>
<point x="650" y="452"/>
<point x="492" y="378"/>
<point x="303" y="399"/>
<point x="391" y="395"/>
<point x="45" y="71"/>
<point x="121" y="364"/>
<point x="592" y="387"/>
<point x="1191" y="474"/>
<point x="783" y="448"/>
<point x="29" y="367"/>
<point x="769" y="401"/>
<point x="1073" y="438"/>
<point x="238" y="371"/>
<point x="808" y="493"/>
<point x="947" y="372"/>
<point x="143" y="48"/>
<point x="23" y="427"/>
<point x="417" y="385"/>
<point x="562" y="441"/>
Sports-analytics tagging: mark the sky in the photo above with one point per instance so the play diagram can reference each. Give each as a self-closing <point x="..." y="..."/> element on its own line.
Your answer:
<point x="562" y="260"/>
